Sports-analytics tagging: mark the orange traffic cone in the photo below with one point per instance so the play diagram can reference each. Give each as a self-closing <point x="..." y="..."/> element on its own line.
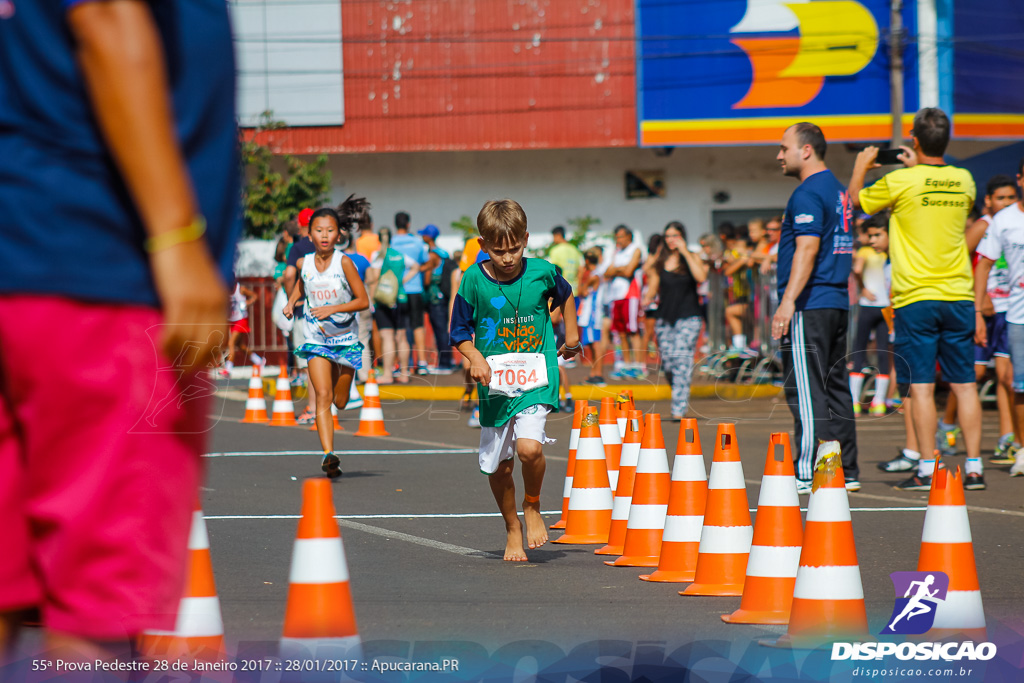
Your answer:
<point x="590" y="503"/>
<point x="828" y="597"/>
<point x="198" y="630"/>
<point x="687" y="498"/>
<point x="778" y="536"/>
<point x="610" y="437"/>
<point x="727" y="533"/>
<point x="284" y="409"/>
<point x="371" y="416"/>
<point x="650" y="500"/>
<point x="334" y="414"/>
<point x="256" y="404"/>
<point x="574" y="438"/>
<point x="624" y="490"/>
<point x="947" y="546"/>
<point x="319" y="609"/>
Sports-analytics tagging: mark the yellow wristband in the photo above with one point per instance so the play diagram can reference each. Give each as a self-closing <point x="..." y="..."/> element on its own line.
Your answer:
<point x="171" y="238"/>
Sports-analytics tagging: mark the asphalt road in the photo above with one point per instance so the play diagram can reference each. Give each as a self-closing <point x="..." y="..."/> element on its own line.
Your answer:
<point x="424" y="544"/>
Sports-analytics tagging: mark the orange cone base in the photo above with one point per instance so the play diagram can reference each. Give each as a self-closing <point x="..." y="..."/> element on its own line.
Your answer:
<point x="722" y="589"/>
<point x="746" y="616"/>
<point x="278" y="421"/>
<point x="560" y="524"/>
<point x="609" y="550"/>
<point x="662" y="576"/>
<point x="208" y="648"/>
<point x="255" y="419"/>
<point x="374" y="429"/>
<point x="582" y="539"/>
<point x="634" y="561"/>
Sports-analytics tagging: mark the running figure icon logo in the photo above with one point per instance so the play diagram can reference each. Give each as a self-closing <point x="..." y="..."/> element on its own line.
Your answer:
<point x="914" y="613"/>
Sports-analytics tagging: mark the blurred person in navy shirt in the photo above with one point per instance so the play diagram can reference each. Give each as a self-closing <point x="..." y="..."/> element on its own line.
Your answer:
<point x="119" y="186"/>
<point x="814" y="264"/>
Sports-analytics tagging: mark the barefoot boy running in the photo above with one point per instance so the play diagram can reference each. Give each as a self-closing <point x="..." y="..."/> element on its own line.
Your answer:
<point x="503" y="302"/>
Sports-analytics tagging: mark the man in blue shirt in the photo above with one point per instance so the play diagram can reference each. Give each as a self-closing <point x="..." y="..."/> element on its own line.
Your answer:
<point x="119" y="186"/>
<point x="815" y="259"/>
<point x="414" y="248"/>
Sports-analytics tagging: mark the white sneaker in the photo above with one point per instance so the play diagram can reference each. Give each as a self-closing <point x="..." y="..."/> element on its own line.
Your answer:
<point x="257" y="360"/>
<point x="1017" y="470"/>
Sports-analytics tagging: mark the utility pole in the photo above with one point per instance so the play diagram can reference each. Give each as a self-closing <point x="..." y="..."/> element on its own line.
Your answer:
<point x="896" y="70"/>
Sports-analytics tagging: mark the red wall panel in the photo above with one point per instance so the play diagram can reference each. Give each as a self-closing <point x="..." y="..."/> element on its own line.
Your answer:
<point x="481" y="74"/>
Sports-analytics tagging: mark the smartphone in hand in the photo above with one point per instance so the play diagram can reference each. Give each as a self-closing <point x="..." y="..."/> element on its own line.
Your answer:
<point x="888" y="157"/>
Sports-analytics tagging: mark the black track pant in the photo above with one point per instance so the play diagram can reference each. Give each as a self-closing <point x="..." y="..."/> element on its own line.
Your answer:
<point x="817" y="387"/>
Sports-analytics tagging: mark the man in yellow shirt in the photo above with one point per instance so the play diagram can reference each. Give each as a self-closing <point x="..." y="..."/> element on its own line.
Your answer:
<point x="932" y="283"/>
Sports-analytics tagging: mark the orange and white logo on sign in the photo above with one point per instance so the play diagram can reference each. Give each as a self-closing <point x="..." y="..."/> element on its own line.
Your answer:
<point x="835" y="38"/>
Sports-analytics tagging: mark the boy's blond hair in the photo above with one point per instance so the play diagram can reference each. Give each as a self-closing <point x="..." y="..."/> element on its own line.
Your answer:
<point x="500" y="221"/>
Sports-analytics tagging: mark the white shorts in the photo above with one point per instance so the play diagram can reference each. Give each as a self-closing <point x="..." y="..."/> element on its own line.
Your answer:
<point x="498" y="443"/>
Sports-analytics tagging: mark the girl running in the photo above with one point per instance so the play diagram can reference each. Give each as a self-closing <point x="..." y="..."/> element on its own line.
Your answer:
<point x="330" y="283"/>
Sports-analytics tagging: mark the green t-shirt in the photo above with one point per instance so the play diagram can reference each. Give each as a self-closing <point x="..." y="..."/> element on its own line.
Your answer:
<point x="569" y="259"/>
<point x="488" y="310"/>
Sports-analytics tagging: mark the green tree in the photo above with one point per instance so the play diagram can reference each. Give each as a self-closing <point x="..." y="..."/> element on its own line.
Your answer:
<point x="465" y="225"/>
<point x="271" y="198"/>
<point x="581" y="225"/>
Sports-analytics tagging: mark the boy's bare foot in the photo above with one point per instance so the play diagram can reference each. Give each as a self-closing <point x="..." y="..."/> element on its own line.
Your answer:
<point x="536" y="529"/>
<point x="514" y="551"/>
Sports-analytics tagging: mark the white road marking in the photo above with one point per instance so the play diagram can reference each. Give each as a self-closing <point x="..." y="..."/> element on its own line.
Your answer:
<point x="481" y="515"/>
<point x="399" y="536"/>
<point x="414" y="451"/>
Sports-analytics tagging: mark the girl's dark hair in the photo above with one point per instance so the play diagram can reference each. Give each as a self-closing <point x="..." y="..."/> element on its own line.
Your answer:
<point x="354" y="210"/>
<point x="280" y="251"/>
<point x="665" y="251"/>
<point x="653" y="243"/>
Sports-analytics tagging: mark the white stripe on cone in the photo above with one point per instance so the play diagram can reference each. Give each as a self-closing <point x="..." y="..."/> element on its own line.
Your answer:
<point x="567" y="489"/>
<point x="371" y="389"/>
<point x="318" y="560"/>
<point x="590" y="499"/>
<point x="652" y="461"/>
<point x="946" y="524"/>
<point x="630" y="455"/>
<point x="682" y="528"/>
<point x="284" y="406"/>
<point x="829" y="583"/>
<point x="198" y="539"/>
<point x="621" y="423"/>
<point x="199" y="618"/>
<point x="647" y="517"/>
<point x="726" y="540"/>
<point x="613" y="479"/>
<point x="689" y="468"/>
<point x="610" y="434"/>
<point x="256" y="404"/>
<point x="590" y="448"/>
<point x="574" y="439"/>
<point x="371" y="415"/>
<point x="620" y="508"/>
<point x="773" y="561"/>
<point x="726" y="475"/>
<point x="829" y="504"/>
<point x="960" y="610"/>
<point x="778" y="491"/>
